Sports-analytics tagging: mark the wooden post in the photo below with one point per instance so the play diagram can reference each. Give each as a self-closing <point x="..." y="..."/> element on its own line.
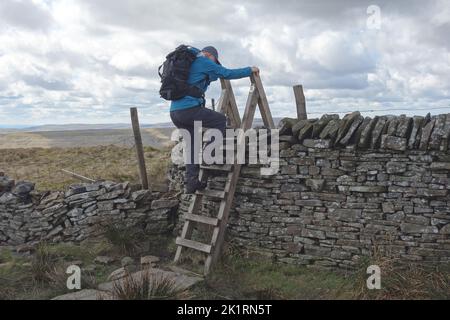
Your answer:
<point x="213" y="104"/>
<point x="300" y="102"/>
<point x="139" y="148"/>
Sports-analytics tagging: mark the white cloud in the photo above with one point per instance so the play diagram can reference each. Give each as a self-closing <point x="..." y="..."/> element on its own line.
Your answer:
<point x="336" y="52"/>
<point x="89" y="61"/>
<point x="32" y="15"/>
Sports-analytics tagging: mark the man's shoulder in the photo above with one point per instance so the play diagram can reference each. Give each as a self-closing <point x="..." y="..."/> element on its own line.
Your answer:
<point x="203" y="61"/>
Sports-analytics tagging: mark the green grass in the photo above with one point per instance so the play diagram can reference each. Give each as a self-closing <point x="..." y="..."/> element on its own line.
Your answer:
<point x="42" y="275"/>
<point x="86" y="251"/>
<point x="256" y="277"/>
<point x="16" y="277"/>
<point x="237" y="277"/>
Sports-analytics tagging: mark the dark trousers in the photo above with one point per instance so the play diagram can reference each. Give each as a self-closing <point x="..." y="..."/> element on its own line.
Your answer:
<point x="184" y="119"/>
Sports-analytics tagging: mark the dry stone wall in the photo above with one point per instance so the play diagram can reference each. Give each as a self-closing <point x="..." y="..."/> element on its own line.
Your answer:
<point x="81" y="212"/>
<point x="346" y="188"/>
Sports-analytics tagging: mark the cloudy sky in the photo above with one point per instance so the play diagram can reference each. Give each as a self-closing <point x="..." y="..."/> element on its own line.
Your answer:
<point x="73" y="61"/>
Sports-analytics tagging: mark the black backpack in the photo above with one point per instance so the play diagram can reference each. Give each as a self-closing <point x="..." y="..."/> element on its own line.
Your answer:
<point x="175" y="74"/>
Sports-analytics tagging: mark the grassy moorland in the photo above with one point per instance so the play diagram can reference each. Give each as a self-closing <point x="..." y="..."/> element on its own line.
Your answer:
<point x="154" y="137"/>
<point x="118" y="163"/>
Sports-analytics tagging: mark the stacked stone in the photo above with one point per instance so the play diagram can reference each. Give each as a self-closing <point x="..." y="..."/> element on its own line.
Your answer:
<point x="9" y="189"/>
<point x="348" y="188"/>
<point x="6" y="183"/>
<point x="381" y="132"/>
<point x="83" y="211"/>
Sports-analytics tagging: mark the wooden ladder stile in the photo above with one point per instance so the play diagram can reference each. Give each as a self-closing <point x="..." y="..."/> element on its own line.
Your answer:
<point x="227" y="105"/>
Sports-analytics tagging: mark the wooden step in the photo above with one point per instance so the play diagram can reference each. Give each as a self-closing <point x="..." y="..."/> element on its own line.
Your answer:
<point x="217" y="167"/>
<point x="211" y="193"/>
<point x="202" y="219"/>
<point x="232" y="138"/>
<point x="206" y="248"/>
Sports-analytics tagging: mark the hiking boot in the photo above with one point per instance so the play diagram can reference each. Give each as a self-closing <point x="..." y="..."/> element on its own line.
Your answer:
<point x="202" y="185"/>
<point x="194" y="185"/>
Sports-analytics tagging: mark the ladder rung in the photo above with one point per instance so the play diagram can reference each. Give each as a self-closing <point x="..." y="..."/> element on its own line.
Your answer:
<point x="201" y="219"/>
<point x="211" y="193"/>
<point x="233" y="139"/>
<point x="217" y="167"/>
<point x="193" y="245"/>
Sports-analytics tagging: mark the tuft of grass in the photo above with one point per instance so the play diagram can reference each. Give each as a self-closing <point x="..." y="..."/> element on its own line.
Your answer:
<point x="146" y="287"/>
<point x="125" y="239"/>
<point x="42" y="263"/>
<point x="269" y="293"/>
<point x="57" y="281"/>
<point x="404" y="281"/>
<point x="400" y="280"/>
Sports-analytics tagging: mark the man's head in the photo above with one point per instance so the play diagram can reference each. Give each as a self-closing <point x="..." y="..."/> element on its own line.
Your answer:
<point x="211" y="53"/>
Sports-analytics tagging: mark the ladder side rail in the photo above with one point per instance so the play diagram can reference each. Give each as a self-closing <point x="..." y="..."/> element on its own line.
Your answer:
<point x="233" y="110"/>
<point x="263" y="103"/>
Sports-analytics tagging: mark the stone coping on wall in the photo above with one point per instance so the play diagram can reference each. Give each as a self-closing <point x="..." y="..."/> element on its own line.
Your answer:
<point x="380" y="132"/>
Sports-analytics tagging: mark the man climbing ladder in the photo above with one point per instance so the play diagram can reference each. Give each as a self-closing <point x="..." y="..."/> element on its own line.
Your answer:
<point x="186" y="76"/>
<point x="217" y="223"/>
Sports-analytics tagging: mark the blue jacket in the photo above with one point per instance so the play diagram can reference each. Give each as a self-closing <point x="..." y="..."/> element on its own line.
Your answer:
<point x="203" y="71"/>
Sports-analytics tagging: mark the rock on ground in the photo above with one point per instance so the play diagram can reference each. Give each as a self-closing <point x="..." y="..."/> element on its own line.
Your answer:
<point x="104" y="260"/>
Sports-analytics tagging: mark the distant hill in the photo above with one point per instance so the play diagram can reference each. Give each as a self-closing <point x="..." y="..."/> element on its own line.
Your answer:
<point x="99" y="126"/>
<point x="86" y="135"/>
<point x="84" y="126"/>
